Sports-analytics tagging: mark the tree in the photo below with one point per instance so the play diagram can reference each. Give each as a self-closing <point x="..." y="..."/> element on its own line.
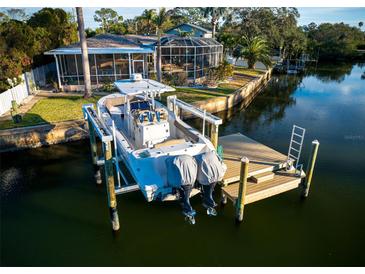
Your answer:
<point x="61" y="28"/>
<point x="275" y="25"/>
<point x="254" y="50"/>
<point x="181" y="15"/>
<point x="361" y="24"/>
<point x="4" y="17"/>
<point x="130" y="26"/>
<point x="17" y="14"/>
<point x="18" y="45"/>
<point x="110" y="21"/>
<point x="146" y="22"/>
<point x="160" y="20"/>
<point x="84" y="51"/>
<point x="214" y="13"/>
<point x="229" y="41"/>
<point x="90" y="32"/>
<point x="334" y="41"/>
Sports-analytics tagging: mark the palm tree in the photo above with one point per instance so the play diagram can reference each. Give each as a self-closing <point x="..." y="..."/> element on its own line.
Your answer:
<point x="85" y="58"/>
<point x="147" y="20"/>
<point x="160" y="21"/>
<point x="214" y="13"/>
<point x="254" y="50"/>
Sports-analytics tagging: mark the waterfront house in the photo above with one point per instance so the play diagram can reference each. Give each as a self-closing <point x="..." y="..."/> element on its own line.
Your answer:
<point x="114" y="57"/>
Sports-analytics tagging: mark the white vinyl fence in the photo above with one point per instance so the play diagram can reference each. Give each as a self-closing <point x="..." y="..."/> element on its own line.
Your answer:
<point x="18" y="93"/>
<point x="36" y="78"/>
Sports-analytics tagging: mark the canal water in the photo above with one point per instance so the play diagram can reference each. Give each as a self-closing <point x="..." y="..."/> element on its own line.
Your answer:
<point x="52" y="213"/>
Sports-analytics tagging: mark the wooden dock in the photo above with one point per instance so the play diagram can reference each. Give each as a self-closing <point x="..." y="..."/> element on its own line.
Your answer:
<point x="254" y="172"/>
<point x="281" y="182"/>
<point x="262" y="158"/>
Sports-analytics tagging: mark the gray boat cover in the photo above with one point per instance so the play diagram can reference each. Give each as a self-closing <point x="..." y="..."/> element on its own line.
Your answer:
<point x="210" y="168"/>
<point x="181" y="170"/>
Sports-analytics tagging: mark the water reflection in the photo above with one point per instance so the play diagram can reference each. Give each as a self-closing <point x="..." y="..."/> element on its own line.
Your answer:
<point x="267" y="106"/>
<point x="329" y="72"/>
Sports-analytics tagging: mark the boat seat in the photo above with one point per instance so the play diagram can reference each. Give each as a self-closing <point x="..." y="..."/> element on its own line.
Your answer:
<point x="171" y="142"/>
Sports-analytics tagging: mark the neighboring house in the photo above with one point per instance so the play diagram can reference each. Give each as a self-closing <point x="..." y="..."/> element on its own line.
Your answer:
<point x="190" y="29"/>
<point x="115" y="57"/>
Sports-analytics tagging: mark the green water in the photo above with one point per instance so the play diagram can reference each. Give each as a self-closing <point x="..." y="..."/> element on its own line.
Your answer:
<point x="52" y="214"/>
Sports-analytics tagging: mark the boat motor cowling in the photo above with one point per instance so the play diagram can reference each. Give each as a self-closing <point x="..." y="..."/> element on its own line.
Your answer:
<point x="211" y="168"/>
<point x="181" y="170"/>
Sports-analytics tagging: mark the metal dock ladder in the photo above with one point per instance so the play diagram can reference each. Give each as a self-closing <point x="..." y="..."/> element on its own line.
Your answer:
<point x="295" y="147"/>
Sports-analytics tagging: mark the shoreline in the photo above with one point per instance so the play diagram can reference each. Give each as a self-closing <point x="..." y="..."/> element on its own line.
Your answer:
<point x="21" y="138"/>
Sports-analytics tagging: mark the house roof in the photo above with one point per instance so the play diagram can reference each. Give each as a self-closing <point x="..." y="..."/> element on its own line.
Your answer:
<point x="104" y="43"/>
<point x="192" y="26"/>
<point x="111" y="43"/>
<point x="188" y="41"/>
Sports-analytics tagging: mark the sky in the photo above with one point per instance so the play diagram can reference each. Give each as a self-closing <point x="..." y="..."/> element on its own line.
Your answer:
<point x="351" y="16"/>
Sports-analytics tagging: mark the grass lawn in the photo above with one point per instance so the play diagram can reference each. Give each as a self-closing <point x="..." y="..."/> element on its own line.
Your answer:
<point x="190" y="95"/>
<point x="250" y="72"/>
<point x="54" y="109"/>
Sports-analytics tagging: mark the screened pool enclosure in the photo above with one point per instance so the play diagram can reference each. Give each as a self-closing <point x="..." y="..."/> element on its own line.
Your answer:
<point x="115" y="57"/>
<point x="193" y="56"/>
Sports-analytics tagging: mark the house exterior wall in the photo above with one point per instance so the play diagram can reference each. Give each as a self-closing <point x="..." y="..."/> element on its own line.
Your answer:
<point x="192" y="63"/>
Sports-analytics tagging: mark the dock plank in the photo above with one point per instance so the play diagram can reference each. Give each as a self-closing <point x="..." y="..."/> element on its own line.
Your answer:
<point x="262" y="158"/>
<point x="281" y="182"/>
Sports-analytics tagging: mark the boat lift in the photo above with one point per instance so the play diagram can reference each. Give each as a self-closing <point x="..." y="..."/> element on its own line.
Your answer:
<point x="110" y="160"/>
<point x="235" y="184"/>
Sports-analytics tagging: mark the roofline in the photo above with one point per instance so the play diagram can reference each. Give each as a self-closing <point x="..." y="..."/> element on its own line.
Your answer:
<point x="192" y="25"/>
<point x="60" y="51"/>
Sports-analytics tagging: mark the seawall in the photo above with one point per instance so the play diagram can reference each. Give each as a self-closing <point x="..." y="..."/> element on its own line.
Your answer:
<point x="243" y="95"/>
<point x="42" y="135"/>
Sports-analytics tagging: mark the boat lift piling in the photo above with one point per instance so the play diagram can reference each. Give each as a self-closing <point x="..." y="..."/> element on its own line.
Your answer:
<point x="106" y="137"/>
<point x="240" y="202"/>
<point x="310" y="168"/>
<point x="110" y="186"/>
<point x="94" y="153"/>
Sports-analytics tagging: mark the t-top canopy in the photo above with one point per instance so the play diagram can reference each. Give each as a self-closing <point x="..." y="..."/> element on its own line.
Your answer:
<point x="144" y="86"/>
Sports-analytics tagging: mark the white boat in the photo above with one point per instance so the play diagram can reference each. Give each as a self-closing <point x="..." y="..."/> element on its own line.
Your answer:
<point x="146" y="133"/>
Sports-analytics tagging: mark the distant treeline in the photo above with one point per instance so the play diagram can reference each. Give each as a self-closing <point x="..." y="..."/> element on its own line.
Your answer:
<point x="24" y="38"/>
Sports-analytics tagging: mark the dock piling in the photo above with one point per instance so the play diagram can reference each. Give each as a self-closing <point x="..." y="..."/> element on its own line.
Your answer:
<point x="223" y="198"/>
<point x="310" y="168"/>
<point x="240" y="202"/>
<point x="109" y="179"/>
<point x="214" y="135"/>
<point x="94" y="153"/>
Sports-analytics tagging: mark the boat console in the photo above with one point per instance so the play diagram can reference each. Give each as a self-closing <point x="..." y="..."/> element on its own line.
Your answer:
<point x="148" y="126"/>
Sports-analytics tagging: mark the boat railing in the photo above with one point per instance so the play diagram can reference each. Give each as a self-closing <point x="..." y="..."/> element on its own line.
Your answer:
<point x="174" y="104"/>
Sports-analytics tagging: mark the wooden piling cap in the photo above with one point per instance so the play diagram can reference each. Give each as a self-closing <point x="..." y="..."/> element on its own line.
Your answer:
<point x="245" y="160"/>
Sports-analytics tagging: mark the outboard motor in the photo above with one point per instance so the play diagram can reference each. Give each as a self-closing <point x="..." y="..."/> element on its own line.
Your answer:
<point x="211" y="170"/>
<point x="181" y="174"/>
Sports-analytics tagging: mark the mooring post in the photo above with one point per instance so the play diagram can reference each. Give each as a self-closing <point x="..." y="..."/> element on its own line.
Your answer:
<point x="240" y="202"/>
<point x="110" y="187"/>
<point x="94" y="152"/>
<point x="214" y="135"/>
<point x="223" y="198"/>
<point x="310" y="167"/>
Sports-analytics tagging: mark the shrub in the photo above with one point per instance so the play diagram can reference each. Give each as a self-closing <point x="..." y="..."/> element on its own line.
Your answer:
<point x="175" y="79"/>
<point x="107" y="87"/>
<point x="219" y="73"/>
